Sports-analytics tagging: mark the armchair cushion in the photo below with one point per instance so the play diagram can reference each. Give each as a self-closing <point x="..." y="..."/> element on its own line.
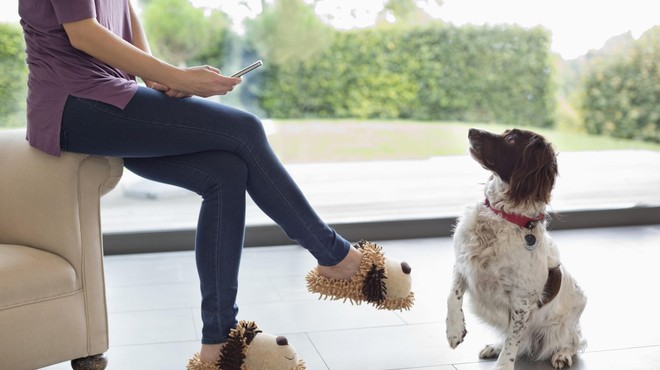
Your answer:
<point x="30" y="275"/>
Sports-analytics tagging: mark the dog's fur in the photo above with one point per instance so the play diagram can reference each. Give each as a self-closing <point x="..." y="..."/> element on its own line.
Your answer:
<point x="512" y="287"/>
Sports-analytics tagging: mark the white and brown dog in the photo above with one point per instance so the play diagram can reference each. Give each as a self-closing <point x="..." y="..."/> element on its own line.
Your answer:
<point x="508" y="263"/>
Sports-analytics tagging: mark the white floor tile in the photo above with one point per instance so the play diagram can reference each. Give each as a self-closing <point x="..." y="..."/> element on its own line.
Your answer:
<point x="148" y="327"/>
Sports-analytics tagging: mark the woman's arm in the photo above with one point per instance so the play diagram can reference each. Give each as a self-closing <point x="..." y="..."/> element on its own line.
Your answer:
<point x="140" y="41"/>
<point x="139" y="36"/>
<point x="89" y="36"/>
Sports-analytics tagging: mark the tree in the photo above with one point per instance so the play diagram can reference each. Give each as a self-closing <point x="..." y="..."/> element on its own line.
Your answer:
<point x="214" y="51"/>
<point x="178" y="31"/>
<point x="13" y="75"/>
<point x="406" y="12"/>
<point x="622" y="96"/>
<point x="288" y="31"/>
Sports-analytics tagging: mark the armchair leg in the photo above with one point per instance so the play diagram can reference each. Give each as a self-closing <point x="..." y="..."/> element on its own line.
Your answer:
<point x="95" y="362"/>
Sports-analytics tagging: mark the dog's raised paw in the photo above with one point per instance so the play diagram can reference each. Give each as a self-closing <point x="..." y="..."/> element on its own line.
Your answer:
<point x="561" y="360"/>
<point x="489" y="352"/>
<point x="456" y="331"/>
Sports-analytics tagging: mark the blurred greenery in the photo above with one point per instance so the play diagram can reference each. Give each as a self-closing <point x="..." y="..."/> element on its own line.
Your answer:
<point x="433" y="72"/>
<point x="288" y="31"/>
<point x="179" y="32"/>
<point x="13" y="76"/>
<point x="622" y="95"/>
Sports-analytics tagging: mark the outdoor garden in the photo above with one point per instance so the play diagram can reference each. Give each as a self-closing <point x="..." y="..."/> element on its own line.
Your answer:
<point x="397" y="90"/>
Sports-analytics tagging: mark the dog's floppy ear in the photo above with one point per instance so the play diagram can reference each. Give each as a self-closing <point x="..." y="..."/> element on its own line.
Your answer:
<point x="534" y="174"/>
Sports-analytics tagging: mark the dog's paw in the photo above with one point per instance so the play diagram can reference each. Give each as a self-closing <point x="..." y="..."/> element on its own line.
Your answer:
<point x="561" y="360"/>
<point x="491" y="351"/>
<point x="456" y="331"/>
<point x="455" y="340"/>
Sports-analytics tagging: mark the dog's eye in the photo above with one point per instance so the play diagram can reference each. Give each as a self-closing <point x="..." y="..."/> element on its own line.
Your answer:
<point x="510" y="139"/>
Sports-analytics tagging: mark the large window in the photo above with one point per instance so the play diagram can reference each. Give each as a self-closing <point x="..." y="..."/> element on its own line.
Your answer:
<point x="368" y="104"/>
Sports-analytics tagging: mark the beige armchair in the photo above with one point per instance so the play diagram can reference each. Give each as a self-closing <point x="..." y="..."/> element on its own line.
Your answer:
<point x="52" y="289"/>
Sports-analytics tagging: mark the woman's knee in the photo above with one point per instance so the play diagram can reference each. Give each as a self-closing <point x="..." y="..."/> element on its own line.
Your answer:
<point x="226" y="175"/>
<point x="221" y="171"/>
<point x="253" y="127"/>
<point x="228" y="167"/>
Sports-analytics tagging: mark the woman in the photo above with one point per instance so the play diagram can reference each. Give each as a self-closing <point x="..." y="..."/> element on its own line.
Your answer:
<point x="83" y="57"/>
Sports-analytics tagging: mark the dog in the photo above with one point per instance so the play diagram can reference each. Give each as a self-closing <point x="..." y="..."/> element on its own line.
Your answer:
<point x="507" y="261"/>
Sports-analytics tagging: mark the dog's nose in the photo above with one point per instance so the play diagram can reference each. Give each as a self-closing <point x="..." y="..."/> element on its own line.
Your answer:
<point x="405" y="267"/>
<point x="473" y="132"/>
<point x="282" y="341"/>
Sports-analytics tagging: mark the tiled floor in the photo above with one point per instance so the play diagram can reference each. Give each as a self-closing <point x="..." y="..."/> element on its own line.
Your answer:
<point x="153" y="302"/>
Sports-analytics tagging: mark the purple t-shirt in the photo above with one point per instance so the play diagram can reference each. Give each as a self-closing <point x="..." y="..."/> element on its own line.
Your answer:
<point x="57" y="69"/>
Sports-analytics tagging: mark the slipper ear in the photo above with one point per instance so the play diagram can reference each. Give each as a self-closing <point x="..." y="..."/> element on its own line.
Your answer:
<point x="232" y="354"/>
<point x="251" y="331"/>
<point x="374" y="288"/>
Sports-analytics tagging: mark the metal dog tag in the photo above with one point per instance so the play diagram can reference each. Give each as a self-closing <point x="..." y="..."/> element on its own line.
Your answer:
<point x="531" y="242"/>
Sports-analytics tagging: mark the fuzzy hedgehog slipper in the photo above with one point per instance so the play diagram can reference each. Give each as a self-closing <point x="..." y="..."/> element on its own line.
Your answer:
<point x="382" y="282"/>
<point x="248" y="348"/>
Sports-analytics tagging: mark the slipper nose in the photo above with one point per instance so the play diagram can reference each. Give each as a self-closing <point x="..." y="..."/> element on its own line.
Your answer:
<point x="405" y="267"/>
<point x="281" y="341"/>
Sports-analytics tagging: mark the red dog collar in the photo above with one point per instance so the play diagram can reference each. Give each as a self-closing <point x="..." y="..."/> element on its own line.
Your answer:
<point x="522" y="221"/>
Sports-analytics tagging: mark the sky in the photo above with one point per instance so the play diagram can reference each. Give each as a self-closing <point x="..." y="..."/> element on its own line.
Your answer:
<point x="577" y="26"/>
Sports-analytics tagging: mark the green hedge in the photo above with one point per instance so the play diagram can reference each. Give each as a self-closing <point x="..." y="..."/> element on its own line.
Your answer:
<point x="622" y="97"/>
<point x="440" y="72"/>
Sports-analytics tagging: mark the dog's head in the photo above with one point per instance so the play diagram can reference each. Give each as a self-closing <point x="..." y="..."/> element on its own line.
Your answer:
<point x="523" y="159"/>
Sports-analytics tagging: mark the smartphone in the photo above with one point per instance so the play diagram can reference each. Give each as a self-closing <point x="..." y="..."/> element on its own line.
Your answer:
<point x="247" y="69"/>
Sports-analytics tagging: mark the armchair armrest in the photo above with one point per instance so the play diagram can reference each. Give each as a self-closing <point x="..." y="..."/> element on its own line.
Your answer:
<point x="52" y="203"/>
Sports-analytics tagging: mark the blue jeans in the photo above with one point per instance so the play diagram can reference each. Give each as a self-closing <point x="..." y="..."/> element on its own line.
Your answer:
<point x="218" y="152"/>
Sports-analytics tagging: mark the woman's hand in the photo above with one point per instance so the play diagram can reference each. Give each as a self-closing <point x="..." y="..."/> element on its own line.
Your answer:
<point x="169" y="92"/>
<point x="202" y="81"/>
